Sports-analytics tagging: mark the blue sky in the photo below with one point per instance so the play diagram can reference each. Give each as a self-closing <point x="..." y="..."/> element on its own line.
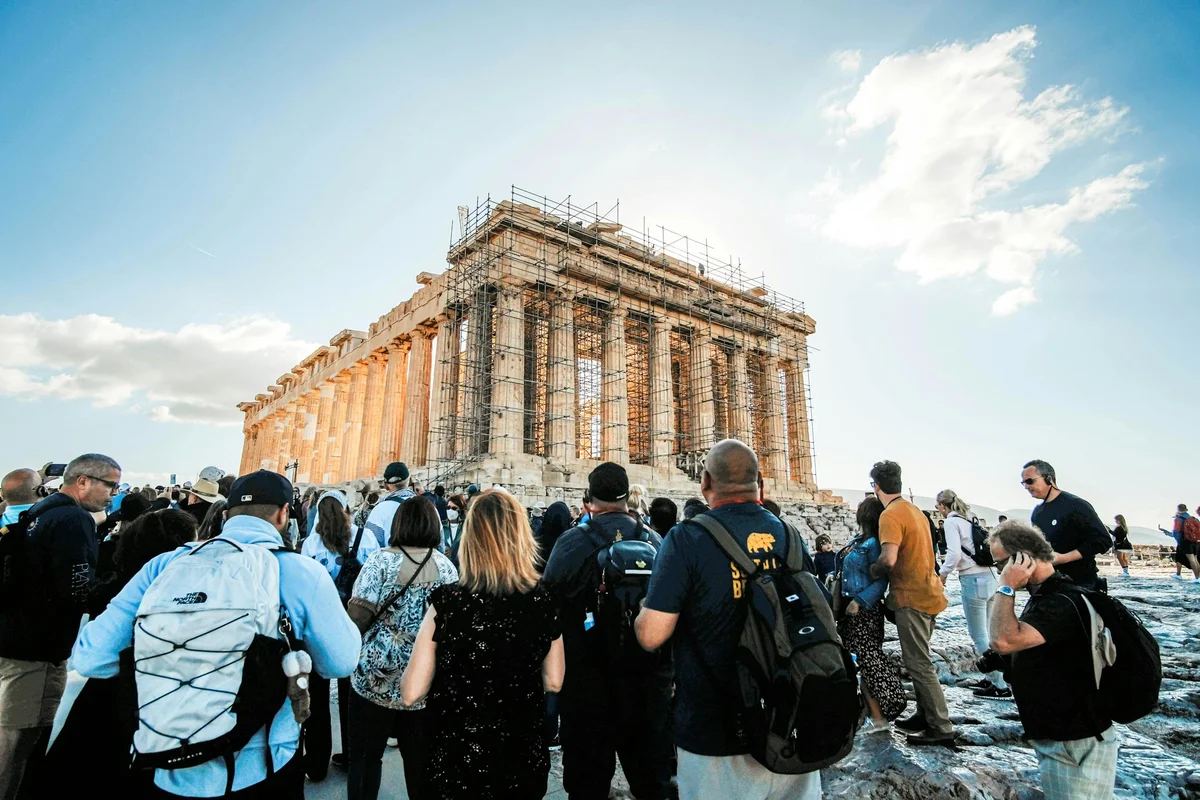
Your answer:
<point x="1000" y="268"/>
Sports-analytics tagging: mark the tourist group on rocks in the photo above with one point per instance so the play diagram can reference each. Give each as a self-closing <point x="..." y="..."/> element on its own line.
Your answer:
<point x="715" y="655"/>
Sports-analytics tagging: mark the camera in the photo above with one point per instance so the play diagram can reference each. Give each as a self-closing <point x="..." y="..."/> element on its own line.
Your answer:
<point x="991" y="661"/>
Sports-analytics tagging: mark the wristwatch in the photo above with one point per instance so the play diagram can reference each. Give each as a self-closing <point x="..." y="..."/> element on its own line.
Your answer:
<point x="1006" y="590"/>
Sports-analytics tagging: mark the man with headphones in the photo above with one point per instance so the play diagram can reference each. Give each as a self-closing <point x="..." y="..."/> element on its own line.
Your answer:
<point x="1070" y="524"/>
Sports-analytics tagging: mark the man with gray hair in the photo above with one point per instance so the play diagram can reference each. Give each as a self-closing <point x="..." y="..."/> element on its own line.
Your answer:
<point x="1069" y="523"/>
<point x="41" y="616"/>
<point x="1050" y="668"/>
<point x="695" y="588"/>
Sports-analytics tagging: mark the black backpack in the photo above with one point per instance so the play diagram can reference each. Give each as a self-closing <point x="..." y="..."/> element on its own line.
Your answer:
<point x="349" y="571"/>
<point x="1129" y="687"/>
<point x="980" y="553"/>
<point x="13" y="542"/>
<point x="795" y="705"/>
<point x="622" y="570"/>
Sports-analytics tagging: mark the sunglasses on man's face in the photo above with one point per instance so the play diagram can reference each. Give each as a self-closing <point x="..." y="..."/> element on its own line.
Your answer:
<point x="1029" y="481"/>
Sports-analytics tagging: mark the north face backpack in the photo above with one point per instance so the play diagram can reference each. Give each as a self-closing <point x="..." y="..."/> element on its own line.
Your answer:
<point x="795" y="705"/>
<point x="980" y="553"/>
<point x="1191" y="529"/>
<point x="206" y="661"/>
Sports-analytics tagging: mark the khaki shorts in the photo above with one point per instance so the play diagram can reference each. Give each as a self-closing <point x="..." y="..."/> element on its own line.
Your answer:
<point x="30" y="692"/>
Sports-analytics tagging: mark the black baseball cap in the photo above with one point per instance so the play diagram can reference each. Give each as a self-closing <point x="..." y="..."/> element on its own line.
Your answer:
<point x="260" y="488"/>
<point x="396" y="472"/>
<point x="609" y="483"/>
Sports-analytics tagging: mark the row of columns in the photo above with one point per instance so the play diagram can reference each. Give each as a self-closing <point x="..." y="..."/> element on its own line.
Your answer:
<point x="378" y="410"/>
<point x="354" y="423"/>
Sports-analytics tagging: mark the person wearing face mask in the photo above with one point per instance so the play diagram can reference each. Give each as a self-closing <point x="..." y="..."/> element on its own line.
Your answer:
<point x="456" y="506"/>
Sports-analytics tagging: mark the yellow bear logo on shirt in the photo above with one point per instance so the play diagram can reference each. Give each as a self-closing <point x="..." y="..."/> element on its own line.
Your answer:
<point x="760" y="542"/>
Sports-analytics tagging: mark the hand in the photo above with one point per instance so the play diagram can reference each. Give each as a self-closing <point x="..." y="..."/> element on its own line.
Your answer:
<point x="1018" y="571"/>
<point x="853" y="608"/>
<point x="944" y="577"/>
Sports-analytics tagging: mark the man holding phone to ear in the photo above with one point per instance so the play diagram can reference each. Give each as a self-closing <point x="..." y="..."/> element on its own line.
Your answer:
<point x="1069" y="523"/>
<point x="1050" y="669"/>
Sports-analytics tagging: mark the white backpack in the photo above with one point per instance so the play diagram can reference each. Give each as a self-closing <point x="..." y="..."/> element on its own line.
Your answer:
<point x="207" y="655"/>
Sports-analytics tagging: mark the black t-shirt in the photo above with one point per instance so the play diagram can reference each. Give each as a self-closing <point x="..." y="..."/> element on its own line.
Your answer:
<point x="1070" y="523"/>
<point x="570" y="575"/>
<point x="826" y="562"/>
<point x="1053" y="683"/>
<point x="694" y="579"/>
<point x="441" y="505"/>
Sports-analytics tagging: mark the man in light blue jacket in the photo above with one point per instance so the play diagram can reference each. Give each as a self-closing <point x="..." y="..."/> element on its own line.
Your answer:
<point x="257" y="513"/>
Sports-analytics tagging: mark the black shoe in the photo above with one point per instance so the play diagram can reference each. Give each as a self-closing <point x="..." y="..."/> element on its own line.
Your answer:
<point x="931" y="737"/>
<point x="913" y="724"/>
<point x="339" y="760"/>
<point x="983" y="684"/>
<point x="993" y="693"/>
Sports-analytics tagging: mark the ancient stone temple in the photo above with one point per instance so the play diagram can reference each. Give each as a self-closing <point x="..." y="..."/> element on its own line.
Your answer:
<point x="556" y="339"/>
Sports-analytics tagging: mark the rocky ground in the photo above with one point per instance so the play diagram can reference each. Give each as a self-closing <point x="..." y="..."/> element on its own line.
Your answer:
<point x="1159" y="754"/>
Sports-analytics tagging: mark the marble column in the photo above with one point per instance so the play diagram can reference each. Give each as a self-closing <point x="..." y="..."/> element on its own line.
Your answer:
<point x="286" y="437"/>
<point x="774" y="462"/>
<point x="662" y="400"/>
<point x="508" y="373"/>
<point x="274" y="429"/>
<point x="368" y="446"/>
<point x="445" y="390"/>
<point x="800" y="441"/>
<point x="703" y="405"/>
<point x="393" y="405"/>
<point x="561" y="401"/>
<point x="337" y="428"/>
<point x="472" y="373"/>
<point x="356" y="402"/>
<point x="414" y="437"/>
<point x="321" y="436"/>
<point x="247" y="445"/>
<point x="739" y="398"/>
<point x="299" y="420"/>
<point x="312" y="405"/>
<point x="614" y="391"/>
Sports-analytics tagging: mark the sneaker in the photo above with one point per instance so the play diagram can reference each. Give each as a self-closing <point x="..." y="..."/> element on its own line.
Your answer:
<point x="1177" y="577"/>
<point x="1195" y="580"/>
<point x="983" y="684"/>
<point x="913" y="724"/>
<point x="931" y="737"/>
<point x="555" y="745"/>
<point x="993" y="693"/>
<point x="339" y="760"/>
<point x="393" y="741"/>
<point x="876" y="726"/>
<point x="1125" y="572"/>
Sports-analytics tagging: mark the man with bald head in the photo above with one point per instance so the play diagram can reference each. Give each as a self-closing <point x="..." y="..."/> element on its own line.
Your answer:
<point x="19" y="488"/>
<point x="696" y="589"/>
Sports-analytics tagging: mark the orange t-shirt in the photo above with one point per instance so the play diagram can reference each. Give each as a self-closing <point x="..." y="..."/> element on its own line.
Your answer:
<point x="914" y="582"/>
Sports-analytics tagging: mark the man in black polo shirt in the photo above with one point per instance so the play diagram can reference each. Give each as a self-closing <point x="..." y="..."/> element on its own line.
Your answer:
<point x="614" y="700"/>
<point x="1070" y="524"/>
<point x="1051" y="670"/>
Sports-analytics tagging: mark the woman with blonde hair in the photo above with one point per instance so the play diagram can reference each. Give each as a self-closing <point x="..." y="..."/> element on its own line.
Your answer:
<point x="978" y="584"/>
<point x="637" y="502"/>
<point x="488" y="649"/>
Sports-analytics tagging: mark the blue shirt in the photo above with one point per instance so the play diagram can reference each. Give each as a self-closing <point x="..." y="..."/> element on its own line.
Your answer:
<point x="11" y="513"/>
<point x="318" y="619"/>
<point x="695" y="579"/>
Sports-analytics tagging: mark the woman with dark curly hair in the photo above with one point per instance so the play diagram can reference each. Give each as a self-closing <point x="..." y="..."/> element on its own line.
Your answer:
<point x="861" y="624"/>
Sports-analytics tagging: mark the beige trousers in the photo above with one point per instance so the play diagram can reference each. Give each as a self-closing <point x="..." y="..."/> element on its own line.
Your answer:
<point x="915" y="629"/>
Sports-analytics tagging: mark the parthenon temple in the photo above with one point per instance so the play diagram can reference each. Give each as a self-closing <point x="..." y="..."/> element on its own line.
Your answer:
<point x="557" y="339"/>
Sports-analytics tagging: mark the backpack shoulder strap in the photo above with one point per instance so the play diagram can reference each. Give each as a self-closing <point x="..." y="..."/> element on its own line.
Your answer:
<point x="795" y="553"/>
<point x="357" y="541"/>
<point x="725" y="541"/>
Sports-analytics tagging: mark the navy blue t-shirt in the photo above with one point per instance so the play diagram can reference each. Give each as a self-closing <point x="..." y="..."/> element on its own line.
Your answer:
<point x="694" y="579"/>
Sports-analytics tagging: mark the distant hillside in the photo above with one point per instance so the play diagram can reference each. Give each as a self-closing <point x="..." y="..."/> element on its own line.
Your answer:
<point x="991" y="516"/>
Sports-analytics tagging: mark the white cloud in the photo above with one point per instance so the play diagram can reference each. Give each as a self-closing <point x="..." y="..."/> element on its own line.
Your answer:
<point x="847" y="60"/>
<point x="1013" y="300"/>
<point x="962" y="136"/>
<point x="196" y="374"/>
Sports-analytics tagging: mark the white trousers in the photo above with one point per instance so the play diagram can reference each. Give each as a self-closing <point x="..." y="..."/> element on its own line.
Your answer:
<point x="740" y="777"/>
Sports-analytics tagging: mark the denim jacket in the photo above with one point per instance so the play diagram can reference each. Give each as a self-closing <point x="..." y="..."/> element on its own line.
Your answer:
<point x="855" y="561"/>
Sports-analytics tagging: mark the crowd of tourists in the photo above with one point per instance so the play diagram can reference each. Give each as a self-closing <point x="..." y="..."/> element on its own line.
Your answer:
<point x="476" y="635"/>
